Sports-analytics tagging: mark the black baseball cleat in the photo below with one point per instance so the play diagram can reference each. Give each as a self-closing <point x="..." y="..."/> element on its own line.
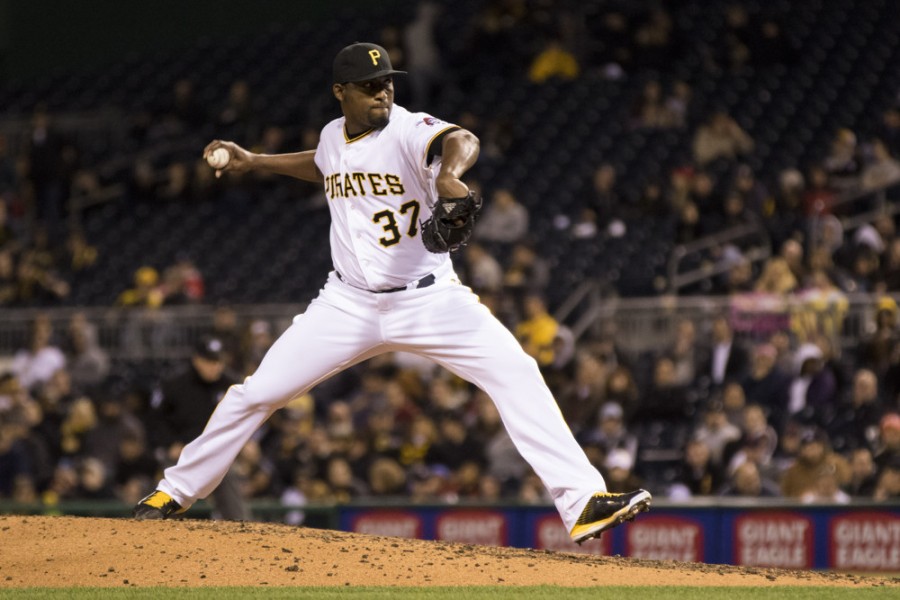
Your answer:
<point x="605" y="511"/>
<point x="158" y="505"/>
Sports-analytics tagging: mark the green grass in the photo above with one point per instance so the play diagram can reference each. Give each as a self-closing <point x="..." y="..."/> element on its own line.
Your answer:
<point x="448" y="593"/>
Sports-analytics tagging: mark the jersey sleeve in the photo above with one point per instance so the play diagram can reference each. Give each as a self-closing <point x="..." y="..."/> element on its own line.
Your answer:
<point x="422" y="131"/>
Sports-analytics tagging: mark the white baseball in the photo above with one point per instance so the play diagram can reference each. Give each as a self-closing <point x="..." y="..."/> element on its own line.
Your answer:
<point x="218" y="158"/>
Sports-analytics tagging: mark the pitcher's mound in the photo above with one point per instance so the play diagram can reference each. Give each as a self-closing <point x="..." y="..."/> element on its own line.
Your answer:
<point x="74" y="551"/>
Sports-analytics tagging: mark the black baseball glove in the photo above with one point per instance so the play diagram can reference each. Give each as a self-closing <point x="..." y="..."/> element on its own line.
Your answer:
<point x="451" y="222"/>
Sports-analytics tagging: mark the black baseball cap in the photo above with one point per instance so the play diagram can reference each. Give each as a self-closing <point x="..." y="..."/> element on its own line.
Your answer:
<point x="210" y="348"/>
<point x="362" y="61"/>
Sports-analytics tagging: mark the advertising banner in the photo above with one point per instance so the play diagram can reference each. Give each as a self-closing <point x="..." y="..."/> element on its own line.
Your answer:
<point x="863" y="538"/>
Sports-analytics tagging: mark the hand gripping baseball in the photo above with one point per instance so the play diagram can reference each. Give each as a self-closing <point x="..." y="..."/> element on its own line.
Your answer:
<point x="451" y="223"/>
<point x="234" y="158"/>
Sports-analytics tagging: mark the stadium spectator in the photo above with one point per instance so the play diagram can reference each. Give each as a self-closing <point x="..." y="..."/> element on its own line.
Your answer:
<point x="767" y="385"/>
<point x="87" y="361"/>
<point x="771" y="45"/>
<point x="843" y="164"/>
<point x="887" y="446"/>
<point x="783" y="213"/>
<point x="720" y="137"/>
<point x="239" y="118"/>
<point x="9" y="237"/>
<point x="9" y="182"/>
<point x="15" y="464"/>
<point x="863" y="474"/>
<point x="622" y="389"/>
<point x="423" y="54"/>
<point x="882" y="169"/>
<point x="608" y="432"/>
<point x="888" y="486"/>
<point x="814" y="387"/>
<point x="146" y="291"/>
<point x="135" y="468"/>
<point x="619" y="475"/>
<point x="727" y="358"/>
<point x="678" y="103"/>
<point x="93" y="480"/>
<point x="79" y="421"/>
<point x="504" y="219"/>
<point x="9" y="284"/>
<point x="747" y="481"/>
<point x="257" y="340"/>
<point x="688" y="227"/>
<point x="731" y="49"/>
<point x="820" y="196"/>
<point x="889" y="129"/>
<point x="182" y="282"/>
<point x="38" y="280"/>
<point x="757" y="443"/>
<point x="226" y="328"/>
<point x="826" y="488"/>
<point x="80" y="256"/>
<point x="503" y="460"/>
<point x="855" y="424"/>
<point x="176" y="184"/>
<point x="253" y="471"/>
<point x="36" y="363"/>
<point x="581" y="398"/>
<point x="455" y="445"/>
<point x="699" y="473"/>
<point x="114" y="424"/>
<point x="716" y="432"/>
<point x="181" y="406"/>
<point x="653" y="44"/>
<point x="816" y="458"/>
<point x="537" y="330"/>
<point x="179" y="113"/>
<point x="526" y="272"/>
<point x="664" y="400"/>
<point x="684" y="352"/>
<point x="386" y="478"/>
<point x="482" y="271"/>
<point x="650" y="112"/>
<point x="776" y="278"/>
<point x="553" y="63"/>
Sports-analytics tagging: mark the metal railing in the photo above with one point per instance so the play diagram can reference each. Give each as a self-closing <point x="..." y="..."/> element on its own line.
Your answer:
<point x="751" y="232"/>
<point x="640" y="323"/>
<point x="140" y="334"/>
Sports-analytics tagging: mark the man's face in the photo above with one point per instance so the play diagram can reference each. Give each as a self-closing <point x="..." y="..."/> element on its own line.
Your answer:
<point x="366" y="104"/>
<point x="209" y="370"/>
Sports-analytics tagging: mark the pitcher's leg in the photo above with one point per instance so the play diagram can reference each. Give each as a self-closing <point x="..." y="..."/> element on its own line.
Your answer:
<point x="321" y="342"/>
<point x="465" y="338"/>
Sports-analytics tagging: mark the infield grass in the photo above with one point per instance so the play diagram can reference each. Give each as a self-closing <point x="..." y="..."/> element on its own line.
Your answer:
<point x="457" y="593"/>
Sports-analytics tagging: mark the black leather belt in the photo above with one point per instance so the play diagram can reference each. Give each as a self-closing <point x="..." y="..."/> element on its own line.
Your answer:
<point x="421" y="283"/>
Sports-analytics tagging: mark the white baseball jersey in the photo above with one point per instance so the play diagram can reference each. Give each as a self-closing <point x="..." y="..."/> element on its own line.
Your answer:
<point x="380" y="185"/>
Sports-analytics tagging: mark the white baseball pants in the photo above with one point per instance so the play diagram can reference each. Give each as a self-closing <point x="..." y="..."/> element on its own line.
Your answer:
<point x="345" y="325"/>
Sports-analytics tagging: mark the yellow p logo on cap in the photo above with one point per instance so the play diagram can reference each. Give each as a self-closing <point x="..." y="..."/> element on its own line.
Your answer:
<point x="375" y="55"/>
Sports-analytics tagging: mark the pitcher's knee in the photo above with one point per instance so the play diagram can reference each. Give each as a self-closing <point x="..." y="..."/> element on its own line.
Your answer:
<point x="257" y="394"/>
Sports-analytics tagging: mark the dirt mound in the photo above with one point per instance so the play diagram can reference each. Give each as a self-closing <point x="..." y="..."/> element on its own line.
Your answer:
<point x="74" y="551"/>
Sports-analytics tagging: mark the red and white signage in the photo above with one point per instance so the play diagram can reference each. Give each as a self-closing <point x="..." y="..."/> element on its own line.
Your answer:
<point x="865" y="542"/>
<point x="550" y="534"/>
<point x="391" y="523"/>
<point x="773" y="539"/>
<point x="665" y="538"/>
<point x="482" y="527"/>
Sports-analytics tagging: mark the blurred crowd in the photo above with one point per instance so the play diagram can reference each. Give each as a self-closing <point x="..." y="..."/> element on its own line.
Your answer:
<point x="734" y="405"/>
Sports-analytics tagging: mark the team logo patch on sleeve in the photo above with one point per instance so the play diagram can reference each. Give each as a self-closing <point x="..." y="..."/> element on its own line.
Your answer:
<point x="431" y="122"/>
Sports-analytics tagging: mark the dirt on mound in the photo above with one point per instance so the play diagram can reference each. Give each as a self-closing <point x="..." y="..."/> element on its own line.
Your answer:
<point x="75" y="551"/>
